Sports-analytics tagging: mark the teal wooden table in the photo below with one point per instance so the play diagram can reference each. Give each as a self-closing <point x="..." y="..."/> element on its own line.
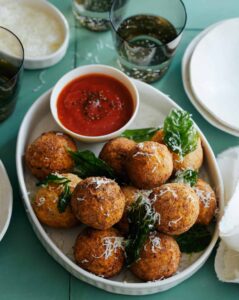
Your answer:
<point x="26" y="270"/>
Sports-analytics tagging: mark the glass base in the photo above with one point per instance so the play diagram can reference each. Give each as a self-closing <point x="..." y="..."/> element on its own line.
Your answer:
<point x="145" y="74"/>
<point x="93" y="24"/>
<point x="5" y="112"/>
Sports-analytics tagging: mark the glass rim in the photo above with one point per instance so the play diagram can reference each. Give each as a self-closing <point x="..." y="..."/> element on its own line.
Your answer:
<point x="23" y="53"/>
<point x="163" y="44"/>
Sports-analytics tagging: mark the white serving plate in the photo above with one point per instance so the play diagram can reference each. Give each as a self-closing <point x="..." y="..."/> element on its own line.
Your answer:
<point x="214" y="72"/>
<point x="154" y="106"/>
<point x="5" y="201"/>
<point x="188" y="89"/>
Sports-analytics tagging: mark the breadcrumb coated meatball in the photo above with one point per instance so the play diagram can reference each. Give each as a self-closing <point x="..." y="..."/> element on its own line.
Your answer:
<point x="208" y="202"/>
<point x="178" y="207"/>
<point x="98" y="202"/>
<point x="100" y="252"/>
<point x="158" y="137"/>
<point x="149" y="165"/>
<point x="45" y="204"/>
<point x="48" y="154"/>
<point x="159" y="258"/>
<point x="191" y="161"/>
<point x="115" y="152"/>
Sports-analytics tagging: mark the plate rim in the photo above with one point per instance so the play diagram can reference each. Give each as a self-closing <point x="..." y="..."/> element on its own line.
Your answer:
<point x="129" y="288"/>
<point x="9" y="199"/>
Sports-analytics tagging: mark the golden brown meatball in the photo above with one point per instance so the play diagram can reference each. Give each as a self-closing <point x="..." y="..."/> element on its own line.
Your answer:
<point x="45" y="204"/>
<point x="191" y="161"/>
<point x="159" y="258"/>
<point x="100" y="252"/>
<point x="98" y="202"/>
<point x="115" y="153"/>
<point x="158" y="137"/>
<point x="178" y="207"/>
<point x="208" y="202"/>
<point x="149" y="165"/>
<point x="48" y="154"/>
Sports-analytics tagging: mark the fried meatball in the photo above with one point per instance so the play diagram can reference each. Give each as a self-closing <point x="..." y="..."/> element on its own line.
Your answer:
<point x="115" y="153"/>
<point x="45" y="204"/>
<point x="208" y="202"/>
<point x="178" y="207"/>
<point x="191" y="161"/>
<point x="100" y="252"/>
<point x="158" y="137"/>
<point x="159" y="258"/>
<point x="98" y="202"/>
<point x="149" y="165"/>
<point x="48" y="154"/>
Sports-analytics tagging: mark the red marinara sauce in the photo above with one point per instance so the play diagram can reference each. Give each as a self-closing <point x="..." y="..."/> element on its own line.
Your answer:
<point x="94" y="105"/>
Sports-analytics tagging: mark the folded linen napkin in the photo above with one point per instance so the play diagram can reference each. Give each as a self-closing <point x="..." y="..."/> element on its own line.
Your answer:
<point x="227" y="257"/>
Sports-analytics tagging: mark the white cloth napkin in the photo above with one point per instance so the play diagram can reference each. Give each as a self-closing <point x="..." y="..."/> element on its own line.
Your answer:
<point x="227" y="257"/>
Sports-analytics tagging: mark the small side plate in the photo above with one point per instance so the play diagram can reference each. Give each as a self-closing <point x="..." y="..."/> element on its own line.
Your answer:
<point x="5" y="201"/>
<point x="214" y="72"/>
<point x="188" y="89"/>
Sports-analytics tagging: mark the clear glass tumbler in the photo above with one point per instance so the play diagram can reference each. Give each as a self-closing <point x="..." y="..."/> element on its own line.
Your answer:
<point x="11" y="67"/>
<point x="92" y="14"/>
<point x="146" y="35"/>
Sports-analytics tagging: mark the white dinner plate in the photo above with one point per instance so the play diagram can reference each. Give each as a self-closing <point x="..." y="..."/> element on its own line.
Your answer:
<point x="188" y="89"/>
<point x="154" y="107"/>
<point x="214" y="72"/>
<point x="5" y="201"/>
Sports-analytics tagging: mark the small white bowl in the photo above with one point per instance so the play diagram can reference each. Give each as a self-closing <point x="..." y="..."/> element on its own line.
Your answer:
<point x="53" y="58"/>
<point x="94" y="69"/>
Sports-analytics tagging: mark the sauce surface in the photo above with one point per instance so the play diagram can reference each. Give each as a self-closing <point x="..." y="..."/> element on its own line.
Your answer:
<point x="94" y="105"/>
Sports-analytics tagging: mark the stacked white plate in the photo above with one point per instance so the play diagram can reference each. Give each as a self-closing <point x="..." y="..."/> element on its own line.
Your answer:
<point x="210" y="72"/>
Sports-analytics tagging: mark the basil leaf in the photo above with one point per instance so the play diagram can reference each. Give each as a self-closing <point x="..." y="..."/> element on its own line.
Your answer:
<point x="180" y="133"/>
<point x="65" y="196"/>
<point x="64" y="199"/>
<point x="187" y="176"/>
<point x="140" y="135"/>
<point x="87" y="164"/>
<point x="195" y="240"/>
<point x="142" y="219"/>
<point x="53" y="178"/>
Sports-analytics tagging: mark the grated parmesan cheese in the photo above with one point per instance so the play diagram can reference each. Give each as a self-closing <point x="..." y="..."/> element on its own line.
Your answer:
<point x="41" y="201"/>
<point x="174" y="222"/>
<point x="204" y="197"/>
<point x="155" y="242"/>
<point x="111" y="244"/>
<point x="99" y="181"/>
<point x="165" y="190"/>
<point x="149" y="209"/>
<point x="40" y="33"/>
